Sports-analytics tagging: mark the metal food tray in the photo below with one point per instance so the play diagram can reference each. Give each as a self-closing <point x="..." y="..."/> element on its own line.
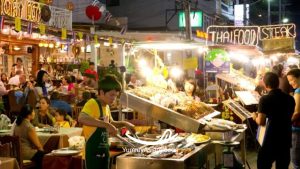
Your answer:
<point x="189" y="160"/>
<point x="164" y="114"/>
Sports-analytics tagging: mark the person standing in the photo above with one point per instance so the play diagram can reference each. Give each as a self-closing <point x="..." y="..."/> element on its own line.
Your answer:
<point x="294" y="80"/>
<point x="97" y="123"/>
<point x="91" y="71"/>
<point x="19" y="66"/>
<point x="274" y="111"/>
<point x="40" y="86"/>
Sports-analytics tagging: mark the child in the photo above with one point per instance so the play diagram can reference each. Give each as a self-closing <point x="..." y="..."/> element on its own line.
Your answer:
<point x="60" y="115"/>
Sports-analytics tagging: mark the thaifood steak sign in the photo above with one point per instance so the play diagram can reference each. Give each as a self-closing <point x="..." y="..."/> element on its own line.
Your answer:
<point x="249" y="35"/>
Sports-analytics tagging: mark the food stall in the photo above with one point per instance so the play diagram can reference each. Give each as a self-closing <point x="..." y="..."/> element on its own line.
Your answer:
<point x="156" y="101"/>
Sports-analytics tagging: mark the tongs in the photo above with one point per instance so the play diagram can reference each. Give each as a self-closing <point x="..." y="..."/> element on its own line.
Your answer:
<point x="132" y="133"/>
<point x="124" y="140"/>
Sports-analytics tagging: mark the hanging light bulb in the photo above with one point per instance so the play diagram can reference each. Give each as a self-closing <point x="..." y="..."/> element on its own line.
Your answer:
<point x="41" y="44"/>
<point x="51" y="45"/>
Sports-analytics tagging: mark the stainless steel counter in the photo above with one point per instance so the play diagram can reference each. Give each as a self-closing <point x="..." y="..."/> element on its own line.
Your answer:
<point x="164" y="114"/>
<point x="189" y="161"/>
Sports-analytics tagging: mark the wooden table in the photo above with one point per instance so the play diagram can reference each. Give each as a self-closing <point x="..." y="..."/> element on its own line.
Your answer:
<point x="8" y="163"/>
<point x="51" y="161"/>
<point x="52" y="141"/>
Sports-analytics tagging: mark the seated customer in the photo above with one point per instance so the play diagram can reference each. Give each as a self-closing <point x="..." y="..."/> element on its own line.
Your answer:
<point x="60" y="117"/>
<point x="31" y="148"/>
<point x="60" y="104"/>
<point x="44" y="115"/>
<point x="85" y="97"/>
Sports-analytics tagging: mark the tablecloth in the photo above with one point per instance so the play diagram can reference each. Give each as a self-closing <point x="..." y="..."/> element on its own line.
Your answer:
<point x="51" y="161"/>
<point x="8" y="163"/>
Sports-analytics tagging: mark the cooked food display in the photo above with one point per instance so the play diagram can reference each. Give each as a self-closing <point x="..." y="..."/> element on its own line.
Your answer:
<point x="173" y="150"/>
<point x="197" y="138"/>
<point x="178" y="102"/>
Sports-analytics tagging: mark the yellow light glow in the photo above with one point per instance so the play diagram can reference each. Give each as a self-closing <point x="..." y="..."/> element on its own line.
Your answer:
<point x="46" y="45"/>
<point x="82" y="49"/>
<point x="57" y="44"/>
<point x="97" y="45"/>
<point x="106" y="44"/>
<point x="142" y="63"/>
<point x="292" y="60"/>
<point x="51" y="45"/>
<point x="202" y="50"/>
<point x="5" y="30"/>
<point x="17" y="48"/>
<point x="146" y="71"/>
<point x="176" y="72"/>
<point x="239" y="57"/>
<point x="41" y="44"/>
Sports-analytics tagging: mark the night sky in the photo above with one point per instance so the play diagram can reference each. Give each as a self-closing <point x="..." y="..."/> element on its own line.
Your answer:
<point x="294" y="14"/>
<point x="290" y="10"/>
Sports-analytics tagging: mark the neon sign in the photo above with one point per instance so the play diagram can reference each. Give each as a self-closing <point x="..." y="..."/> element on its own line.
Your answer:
<point x="278" y="31"/>
<point x="249" y="35"/>
<point x="246" y="35"/>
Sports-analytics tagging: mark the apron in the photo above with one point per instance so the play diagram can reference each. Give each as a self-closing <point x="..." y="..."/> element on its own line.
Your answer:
<point x="97" y="147"/>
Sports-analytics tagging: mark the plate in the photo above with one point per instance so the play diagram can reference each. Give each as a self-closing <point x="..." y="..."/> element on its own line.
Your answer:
<point x="40" y="129"/>
<point x="198" y="139"/>
<point x="65" y="152"/>
<point x="4" y="131"/>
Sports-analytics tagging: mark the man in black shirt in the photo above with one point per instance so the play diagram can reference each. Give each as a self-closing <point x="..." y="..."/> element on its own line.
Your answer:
<point x="275" y="111"/>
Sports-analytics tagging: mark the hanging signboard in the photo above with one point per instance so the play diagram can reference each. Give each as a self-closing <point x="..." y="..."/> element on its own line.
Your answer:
<point x="35" y="12"/>
<point x="60" y="18"/>
<point x="26" y="10"/>
<point x="278" y="44"/>
<point x="190" y="63"/>
<point x="244" y="35"/>
<point x="217" y="60"/>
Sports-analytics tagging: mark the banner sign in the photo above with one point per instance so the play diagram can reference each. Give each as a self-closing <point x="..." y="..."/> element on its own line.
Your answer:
<point x="33" y="12"/>
<point x="244" y="35"/>
<point x="60" y="18"/>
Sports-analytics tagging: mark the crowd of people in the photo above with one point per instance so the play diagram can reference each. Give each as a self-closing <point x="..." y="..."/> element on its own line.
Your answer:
<point x="279" y="112"/>
<point x="278" y="109"/>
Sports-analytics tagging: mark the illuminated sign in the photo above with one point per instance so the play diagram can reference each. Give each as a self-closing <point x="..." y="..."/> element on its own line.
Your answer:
<point x="239" y="14"/>
<point x="31" y="11"/>
<point x="201" y="34"/>
<point x="278" y="31"/>
<point x="195" y="16"/>
<point x="26" y="10"/>
<point x="250" y="35"/>
<point x="246" y="35"/>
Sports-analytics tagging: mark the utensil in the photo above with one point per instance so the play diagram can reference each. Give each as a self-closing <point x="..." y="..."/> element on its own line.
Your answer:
<point x="124" y="140"/>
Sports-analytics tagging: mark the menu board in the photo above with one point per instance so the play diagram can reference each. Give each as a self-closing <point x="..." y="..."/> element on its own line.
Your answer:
<point x="247" y="97"/>
<point x="237" y="109"/>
